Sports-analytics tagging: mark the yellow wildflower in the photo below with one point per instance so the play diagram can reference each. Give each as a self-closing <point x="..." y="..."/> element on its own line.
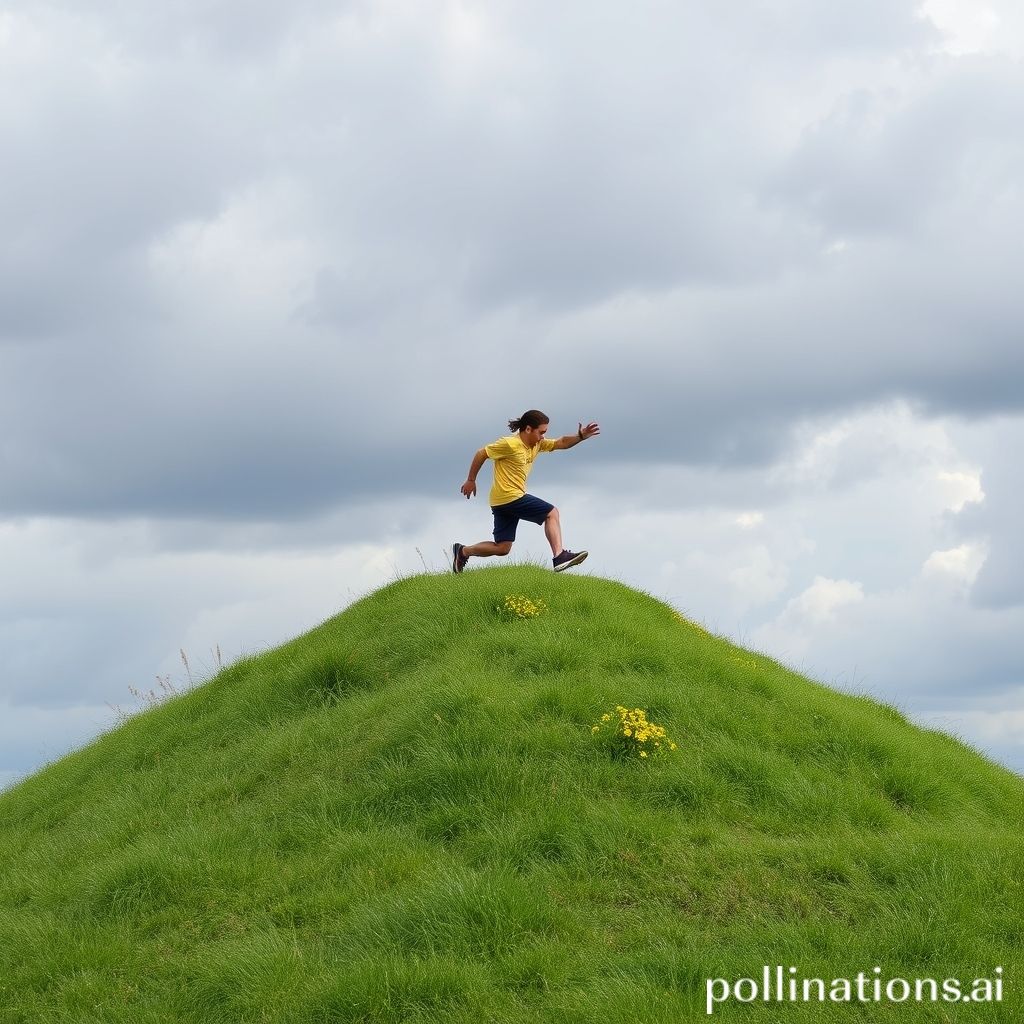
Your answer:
<point x="631" y="732"/>
<point x="523" y="607"/>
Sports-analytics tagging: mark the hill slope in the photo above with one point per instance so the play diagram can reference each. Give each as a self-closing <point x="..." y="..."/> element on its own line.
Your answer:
<point x="404" y="815"/>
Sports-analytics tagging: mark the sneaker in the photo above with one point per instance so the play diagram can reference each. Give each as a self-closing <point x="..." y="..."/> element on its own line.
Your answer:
<point x="458" y="559"/>
<point x="567" y="559"/>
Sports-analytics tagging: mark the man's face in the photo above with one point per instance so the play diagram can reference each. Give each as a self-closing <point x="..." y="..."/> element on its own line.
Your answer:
<point x="534" y="435"/>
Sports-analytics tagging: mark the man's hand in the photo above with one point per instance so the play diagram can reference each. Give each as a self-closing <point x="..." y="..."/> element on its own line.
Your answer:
<point x="590" y="430"/>
<point x="469" y="489"/>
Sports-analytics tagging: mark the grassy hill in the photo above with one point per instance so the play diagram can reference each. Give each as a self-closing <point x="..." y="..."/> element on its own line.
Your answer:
<point x="405" y="815"/>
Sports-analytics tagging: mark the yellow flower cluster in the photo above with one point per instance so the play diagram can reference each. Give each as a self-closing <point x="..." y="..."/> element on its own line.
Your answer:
<point x="628" y="733"/>
<point x="523" y="607"/>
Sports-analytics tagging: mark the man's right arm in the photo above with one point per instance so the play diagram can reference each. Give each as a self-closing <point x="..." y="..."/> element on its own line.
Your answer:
<point x="469" y="487"/>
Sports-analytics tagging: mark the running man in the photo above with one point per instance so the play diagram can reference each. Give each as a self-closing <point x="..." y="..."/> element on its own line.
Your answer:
<point x="513" y="459"/>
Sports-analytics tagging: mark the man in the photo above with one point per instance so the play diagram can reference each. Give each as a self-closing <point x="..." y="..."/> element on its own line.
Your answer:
<point x="513" y="459"/>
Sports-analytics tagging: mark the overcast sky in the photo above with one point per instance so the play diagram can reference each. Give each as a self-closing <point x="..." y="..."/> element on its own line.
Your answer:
<point x="270" y="274"/>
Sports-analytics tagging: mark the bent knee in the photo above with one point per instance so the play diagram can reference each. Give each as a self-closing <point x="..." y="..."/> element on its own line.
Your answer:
<point x="504" y="547"/>
<point x="553" y="514"/>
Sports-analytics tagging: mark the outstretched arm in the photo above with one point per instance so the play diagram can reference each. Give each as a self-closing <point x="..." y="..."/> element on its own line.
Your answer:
<point x="469" y="487"/>
<point x="571" y="440"/>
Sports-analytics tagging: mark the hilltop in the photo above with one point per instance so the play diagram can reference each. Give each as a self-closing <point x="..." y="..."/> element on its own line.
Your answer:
<point x="405" y="815"/>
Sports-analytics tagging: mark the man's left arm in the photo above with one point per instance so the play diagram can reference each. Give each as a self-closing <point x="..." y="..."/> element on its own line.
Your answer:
<point x="571" y="440"/>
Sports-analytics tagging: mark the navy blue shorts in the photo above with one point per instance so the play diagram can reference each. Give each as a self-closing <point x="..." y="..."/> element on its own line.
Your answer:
<point x="507" y="516"/>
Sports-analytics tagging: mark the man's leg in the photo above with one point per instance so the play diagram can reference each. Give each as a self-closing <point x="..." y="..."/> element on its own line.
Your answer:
<point x="553" y="532"/>
<point x="561" y="558"/>
<point x="486" y="548"/>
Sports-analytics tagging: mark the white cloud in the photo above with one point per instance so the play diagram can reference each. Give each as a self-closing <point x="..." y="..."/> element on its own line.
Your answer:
<point x="248" y="264"/>
<point x="758" y="579"/>
<point x="961" y="563"/>
<point x="875" y="442"/>
<point x="967" y="26"/>
<point x="821" y="601"/>
<point x="963" y="487"/>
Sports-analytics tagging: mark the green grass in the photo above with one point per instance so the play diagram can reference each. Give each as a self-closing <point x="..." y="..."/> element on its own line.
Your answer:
<point x="404" y="816"/>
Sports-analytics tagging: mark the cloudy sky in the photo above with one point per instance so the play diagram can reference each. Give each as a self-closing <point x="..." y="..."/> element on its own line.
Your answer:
<point x="270" y="274"/>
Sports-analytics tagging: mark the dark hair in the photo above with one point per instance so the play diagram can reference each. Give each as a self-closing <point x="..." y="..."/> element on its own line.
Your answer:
<point x="530" y="418"/>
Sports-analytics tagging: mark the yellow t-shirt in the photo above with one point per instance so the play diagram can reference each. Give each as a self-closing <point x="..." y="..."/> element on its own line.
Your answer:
<point x="513" y="461"/>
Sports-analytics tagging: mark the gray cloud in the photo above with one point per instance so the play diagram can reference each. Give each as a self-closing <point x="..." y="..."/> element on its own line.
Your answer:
<point x="888" y="163"/>
<point x="430" y="195"/>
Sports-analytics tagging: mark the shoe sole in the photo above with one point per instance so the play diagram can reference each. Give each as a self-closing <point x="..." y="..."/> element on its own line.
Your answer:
<point x="455" y="557"/>
<point x="572" y="561"/>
